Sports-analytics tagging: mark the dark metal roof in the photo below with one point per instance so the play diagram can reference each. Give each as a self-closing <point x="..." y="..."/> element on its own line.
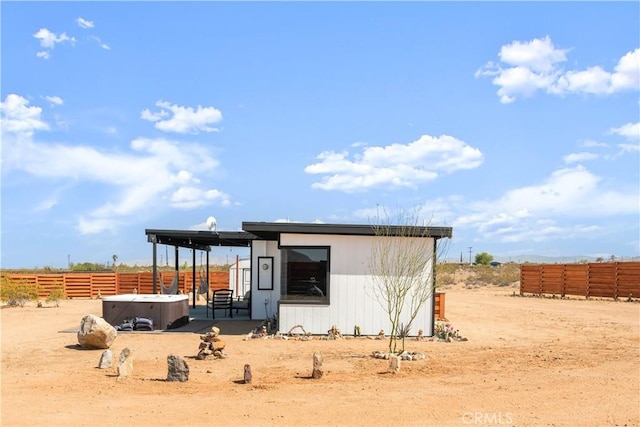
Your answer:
<point x="201" y="240"/>
<point x="272" y="230"/>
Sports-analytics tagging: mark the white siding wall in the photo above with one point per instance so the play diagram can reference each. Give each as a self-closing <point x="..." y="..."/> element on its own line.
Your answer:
<point x="260" y="310"/>
<point x="352" y="301"/>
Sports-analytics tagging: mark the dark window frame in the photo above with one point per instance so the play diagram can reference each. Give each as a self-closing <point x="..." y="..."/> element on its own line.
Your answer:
<point x="286" y="283"/>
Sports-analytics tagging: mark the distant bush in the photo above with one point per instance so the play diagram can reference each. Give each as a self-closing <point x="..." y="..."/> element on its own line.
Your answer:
<point x="484" y="258"/>
<point x="17" y="293"/>
<point x="504" y="275"/>
<point x="445" y="274"/>
<point x="88" y="266"/>
<point x="56" y="294"/>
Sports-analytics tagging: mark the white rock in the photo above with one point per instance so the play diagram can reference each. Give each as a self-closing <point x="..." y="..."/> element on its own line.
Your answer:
<point x="95" y="332"/>
<point x="125" y="363"/>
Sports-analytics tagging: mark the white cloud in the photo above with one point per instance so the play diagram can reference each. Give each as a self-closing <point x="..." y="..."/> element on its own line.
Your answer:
<point x="579" y="157"/>
<point x="47" y="204"/>
<point x="534" y="212"/>
<point x="146" y="114"/>
<point x="593" y="80"/>
<point x="19" y="117"/>
<point x="184" y="119"/>
<point x="592" y="144"/>
<point x="627" y="74"/>
<point x="49" y="39"/>
<point x="96" y="225"/>
<point x="538" y="55"/>
<point x="438" y="211"/>
<point x="192" y="197"/>
<point x="83" y="23"/>
<point x="528" y="67"/>
<point x="395" y="165"/>
<point x="156" y="174"/>
<point x="630" y="131"/>
<point x="100" y="42"/>
<point x="54" y="100"/>
<point x="630" y="148"/>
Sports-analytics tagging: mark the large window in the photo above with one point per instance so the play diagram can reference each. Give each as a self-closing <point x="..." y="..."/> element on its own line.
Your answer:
<point x="305" y="274"/>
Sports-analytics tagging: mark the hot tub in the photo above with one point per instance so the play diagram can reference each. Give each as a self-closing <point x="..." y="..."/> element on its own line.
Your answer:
<point x="166" y="311"/>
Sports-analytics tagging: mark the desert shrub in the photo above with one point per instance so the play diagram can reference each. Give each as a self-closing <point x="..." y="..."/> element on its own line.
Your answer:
<point x="57" y="293"/>
<point x="446" y="274"/>
<point x="17" y="293"/>
<point x="504" y="275"/>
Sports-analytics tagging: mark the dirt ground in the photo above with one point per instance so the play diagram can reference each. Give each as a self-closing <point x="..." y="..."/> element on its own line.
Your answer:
<point x="528" y="361"/>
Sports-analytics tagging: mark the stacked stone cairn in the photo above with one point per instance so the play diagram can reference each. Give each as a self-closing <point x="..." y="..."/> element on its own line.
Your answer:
<point x="334" y="333"/>
<point x="211" y="345"/>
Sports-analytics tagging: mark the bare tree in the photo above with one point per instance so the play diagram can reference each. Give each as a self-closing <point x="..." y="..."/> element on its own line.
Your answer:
<point x="402" y="265"/>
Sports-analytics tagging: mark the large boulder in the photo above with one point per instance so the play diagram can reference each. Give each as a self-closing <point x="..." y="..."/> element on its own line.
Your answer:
<point x="95" y="332"/>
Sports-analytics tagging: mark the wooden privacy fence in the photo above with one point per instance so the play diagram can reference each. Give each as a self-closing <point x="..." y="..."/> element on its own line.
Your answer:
<point x="87" y="285"/>
<point x="611" y="279"/>
<point x="439" y="306"/>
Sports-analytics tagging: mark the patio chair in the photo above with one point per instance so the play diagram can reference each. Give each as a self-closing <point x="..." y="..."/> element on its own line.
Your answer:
<point x="222" y="300"/>
<point x="244" y="303"/>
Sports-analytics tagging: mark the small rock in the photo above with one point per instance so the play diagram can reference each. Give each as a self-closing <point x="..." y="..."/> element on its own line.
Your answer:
<point x="317" y="366"/>
<point x="219" y="345"/>
<point x="178" y="370"/>
<point x="125" y="363"/>
<point x="247" y="374"/>
<point x="394" y="364"/>
<point x="106" y="360"/>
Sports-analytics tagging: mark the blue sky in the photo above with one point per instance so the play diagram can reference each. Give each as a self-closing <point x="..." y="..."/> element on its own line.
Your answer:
<point x="518" y="124"/>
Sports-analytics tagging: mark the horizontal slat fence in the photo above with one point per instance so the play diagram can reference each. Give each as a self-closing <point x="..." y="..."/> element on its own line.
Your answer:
<point x="610" y="279"/>
<point x="90" y="285"/>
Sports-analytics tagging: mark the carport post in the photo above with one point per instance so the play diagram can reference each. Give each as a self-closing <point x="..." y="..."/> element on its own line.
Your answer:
<point x="193" y="284"/>
<point x="177" y="269"/>
<point x="155" y="267"/>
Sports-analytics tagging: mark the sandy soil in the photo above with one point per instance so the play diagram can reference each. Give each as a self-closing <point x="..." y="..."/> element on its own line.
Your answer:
<point x="528" y="362"/>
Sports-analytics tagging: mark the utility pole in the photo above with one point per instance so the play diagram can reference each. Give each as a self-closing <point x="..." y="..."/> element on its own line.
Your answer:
<point x="470" y="247"/>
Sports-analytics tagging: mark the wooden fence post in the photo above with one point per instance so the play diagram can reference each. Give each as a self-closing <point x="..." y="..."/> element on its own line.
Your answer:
<point x="615" y="288"/>
<point x="586" y="293"/>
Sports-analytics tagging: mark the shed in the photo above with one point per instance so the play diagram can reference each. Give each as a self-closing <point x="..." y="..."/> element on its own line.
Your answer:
<point x="240" y="276"/>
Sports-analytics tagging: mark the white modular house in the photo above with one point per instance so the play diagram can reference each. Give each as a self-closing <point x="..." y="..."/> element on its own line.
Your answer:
<point x="316" y="275"/>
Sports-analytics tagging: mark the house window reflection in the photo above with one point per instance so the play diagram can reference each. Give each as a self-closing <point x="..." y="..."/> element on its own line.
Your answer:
<point x="305" y="274"/>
